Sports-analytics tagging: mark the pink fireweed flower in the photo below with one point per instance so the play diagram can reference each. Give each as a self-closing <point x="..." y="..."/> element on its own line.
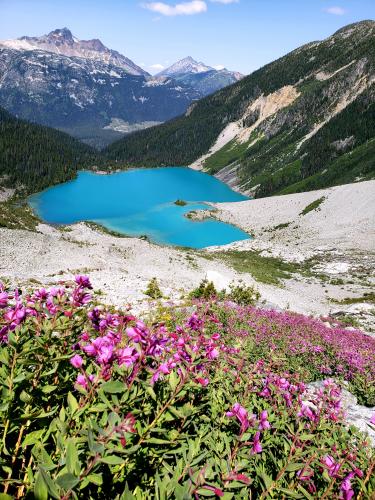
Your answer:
<point x="194" y="322"/>
<point x="83" y="381"/>
<point x="332" y="466"/>
<point x="135" y="334"/>
<point x="76" y="361"/>
<point x="372" y="419"/>
<point x="202" y="381"/>
<point x="15" y="315"/>
<point x="40" y="294"/>
<point x="83" y="281"/>
<point x="105" y="353"/>
<point x="307" y="412"/>
<point x="127" y="356"/>
<point x="264" y="424"/>
<point x="80" y="297"/>
<point x="241" y="414"/>
<point x="213" y="353"/>
<point x="256" y="447"/>
<point x="346" y="487"/>
<point x="3" y="299"/>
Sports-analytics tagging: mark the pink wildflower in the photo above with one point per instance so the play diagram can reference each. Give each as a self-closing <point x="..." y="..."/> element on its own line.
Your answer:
<point x="241" y="414"/>
<point x="76" y="361"/>
<point x="257" y="447"/>
<point x="3" y="299"/>
<point x="346" y="487"/>
<point x="127" y="356"/>
<point x="83" y="281"/>
<point x="331" y="465"/>
<point x="264" y="424"/>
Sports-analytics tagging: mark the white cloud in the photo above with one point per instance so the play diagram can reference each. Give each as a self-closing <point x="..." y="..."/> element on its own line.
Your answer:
<point x="226" y="2"/>
<point x="178" y="9"/>
<point x="336" y="11"/>
<point x="219" y="67"/>
<point x="157" y="67"/>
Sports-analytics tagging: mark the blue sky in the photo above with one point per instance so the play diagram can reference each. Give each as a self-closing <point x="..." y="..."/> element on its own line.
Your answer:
<point x="238" y="34"/>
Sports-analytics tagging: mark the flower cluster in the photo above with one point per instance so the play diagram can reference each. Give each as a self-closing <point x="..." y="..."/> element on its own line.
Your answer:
<point x="229" y="383"/>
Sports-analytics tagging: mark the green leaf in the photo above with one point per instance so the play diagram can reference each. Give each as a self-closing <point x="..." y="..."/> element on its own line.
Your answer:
<point x="173" y="380"/>
<point x="25" y="398"/>
<point x="112" y="460"/>
<point x="67" y="481"/>
<point x="47" y="389"/>
<point x="40" y="488"/>
<point x="151" y="392"/>
<point x="294" y="466"/>
<point x="52" y="487"/>
<point x="95" y="479"/>
<point x="113" y="387"/>
<point x="291" y="493"/>
<point x="157" y="441"/>
<point x="72" y="462"/>
<point x="33" y="437"/>
<point x="72" y="403"/>
<point x="127" y="494"/>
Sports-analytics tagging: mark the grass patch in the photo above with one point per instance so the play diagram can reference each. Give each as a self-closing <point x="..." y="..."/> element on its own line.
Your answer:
<point x="232" y="151"/>
<point x="269" y="270"/>
<point x="17" y="215"/>
<point x="313" y="206"/>
<point x="366" y="297"/>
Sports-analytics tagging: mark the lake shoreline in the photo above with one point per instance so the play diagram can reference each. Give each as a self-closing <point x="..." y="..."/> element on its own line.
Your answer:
<point x="123" y="266"/>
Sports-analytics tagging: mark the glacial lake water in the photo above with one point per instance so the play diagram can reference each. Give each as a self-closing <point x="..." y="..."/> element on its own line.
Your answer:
<point x="141" y="202"/>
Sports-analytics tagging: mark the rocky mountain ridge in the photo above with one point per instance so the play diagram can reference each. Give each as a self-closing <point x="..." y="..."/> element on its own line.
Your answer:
<point x="305" y="121"/>
<point x="198" y="75"/>
<point x="62" y="42"/>
<point x="87" y="90"/>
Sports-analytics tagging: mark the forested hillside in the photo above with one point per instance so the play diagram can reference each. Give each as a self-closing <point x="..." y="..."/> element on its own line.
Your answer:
<point x="34" y="157"/>
<point x="304" y="121"/>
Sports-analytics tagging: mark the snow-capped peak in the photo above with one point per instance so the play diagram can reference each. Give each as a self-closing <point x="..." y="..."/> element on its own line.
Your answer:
<point x="61" y="41"/>
<point x="186" y="65"/>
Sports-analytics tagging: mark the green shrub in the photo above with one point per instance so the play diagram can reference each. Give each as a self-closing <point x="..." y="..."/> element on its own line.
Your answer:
<point x="153" y="289"/>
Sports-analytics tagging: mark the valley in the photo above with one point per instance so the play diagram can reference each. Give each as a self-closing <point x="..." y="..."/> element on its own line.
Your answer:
<point x="319" y="264"/>
<point x="187" y="253"/>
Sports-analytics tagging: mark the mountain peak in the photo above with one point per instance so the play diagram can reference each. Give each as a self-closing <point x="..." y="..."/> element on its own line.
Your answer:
<point x="61" y="41"/>
<point x="61" y="32"/>
<point x="185" y="65"/>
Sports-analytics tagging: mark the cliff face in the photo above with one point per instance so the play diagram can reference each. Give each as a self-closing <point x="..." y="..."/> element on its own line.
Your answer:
<point x="302" y="122"/>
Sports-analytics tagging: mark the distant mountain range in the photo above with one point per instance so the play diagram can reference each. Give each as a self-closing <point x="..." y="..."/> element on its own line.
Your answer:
<point x="94" y="93"/>
<point x="302" y="122"/>
<point x="200" y="76"/>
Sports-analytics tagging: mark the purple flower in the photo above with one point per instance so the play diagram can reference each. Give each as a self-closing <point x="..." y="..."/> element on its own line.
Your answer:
<point x="264" y="424"/>
<point x="241" y="414"/>
<point x="127" y="356"/>
<point x="307" y="412"/>
<point x="256" y="447"/>
<point x="84" y="381"/>
<point x="3" y="299"/>
<point x="331" y="465"/>
<point x="372" y="419"/>
<point x="346" y="487"/>
<point x="76" y="361"/>
<point x="213" y="353"/>
<point x="194" y="322"/>
<point x="83" y="281"/>
<point x="105" y="354"/>
<point x="80" y="297"/>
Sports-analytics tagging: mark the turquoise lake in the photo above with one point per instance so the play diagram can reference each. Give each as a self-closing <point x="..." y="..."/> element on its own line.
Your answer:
<point x="141" y="202"/>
